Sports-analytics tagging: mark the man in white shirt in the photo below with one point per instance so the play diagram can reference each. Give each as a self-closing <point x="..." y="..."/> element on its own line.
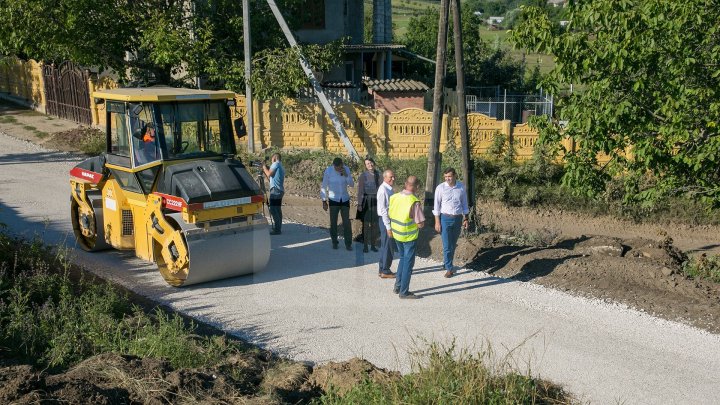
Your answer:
<point x="386" y="251"/>
<point x="334" y="195"/>
<point x="451" y="213"/>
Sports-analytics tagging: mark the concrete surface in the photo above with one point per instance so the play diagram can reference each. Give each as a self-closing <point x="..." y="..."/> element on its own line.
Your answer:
<point x="317" y="304"/>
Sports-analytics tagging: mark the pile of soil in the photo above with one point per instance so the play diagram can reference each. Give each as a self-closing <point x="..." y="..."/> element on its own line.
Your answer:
<point x="641" y="273"/>
<point x="255" y="378"/>
<point x="69" y="140"/>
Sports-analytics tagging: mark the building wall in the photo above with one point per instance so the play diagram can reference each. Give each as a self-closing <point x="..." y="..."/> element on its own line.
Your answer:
<point x="390" y="101"/>
<point x="343" y="18"/>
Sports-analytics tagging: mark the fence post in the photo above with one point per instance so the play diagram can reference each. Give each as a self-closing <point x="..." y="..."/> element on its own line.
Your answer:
<point x="505" y="105"/>
<point x="93" y="106"/>
<point x="382" y="128"/>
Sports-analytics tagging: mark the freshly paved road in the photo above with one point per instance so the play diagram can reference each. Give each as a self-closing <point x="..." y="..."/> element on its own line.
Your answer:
<point x="316" y="304"/>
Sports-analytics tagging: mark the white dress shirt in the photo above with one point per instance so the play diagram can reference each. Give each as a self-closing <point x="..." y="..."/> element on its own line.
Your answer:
<point x="383" y="200"/>
<point x="334" y="186"/>
<point x="450" y="200"/>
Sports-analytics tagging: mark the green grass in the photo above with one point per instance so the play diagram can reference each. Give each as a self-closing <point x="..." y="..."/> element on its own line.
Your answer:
<point x="446" y="375"/>
<point x="41" y="134"/>
<point x="8" y="119"/>
<point x="50" y="320"/>
<point x="403" y="11"/>
<point x="93" y="141"/>
<point x="703" y="267"/>
<point x="29" y="128"/>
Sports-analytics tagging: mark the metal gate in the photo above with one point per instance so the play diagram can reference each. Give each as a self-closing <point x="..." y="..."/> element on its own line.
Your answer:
<point x="67" y="94"/>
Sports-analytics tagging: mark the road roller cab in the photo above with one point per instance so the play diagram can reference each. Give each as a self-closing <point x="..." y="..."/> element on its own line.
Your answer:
<point x="169" y="186"/>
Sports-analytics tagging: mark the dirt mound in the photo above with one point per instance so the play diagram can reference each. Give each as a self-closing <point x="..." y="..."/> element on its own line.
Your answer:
<point x="253" y="377"/>
<point x="20" y="383"/>
<point x="344" y="375"/>
<point x="642" y="273"/>
<point x="112" y="378"/>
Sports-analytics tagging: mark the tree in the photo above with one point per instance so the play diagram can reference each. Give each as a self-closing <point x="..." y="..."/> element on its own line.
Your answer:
<point x="169" y="41"/>
<point x="484" y="65"/>
<point x="650" y="77"/>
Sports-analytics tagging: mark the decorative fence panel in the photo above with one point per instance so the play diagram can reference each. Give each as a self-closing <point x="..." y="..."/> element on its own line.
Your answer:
<point x="67" y="92"/>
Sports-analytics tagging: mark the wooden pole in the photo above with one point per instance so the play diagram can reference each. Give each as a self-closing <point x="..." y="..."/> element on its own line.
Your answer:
<point x="250" y="124"/>
<point x="461" y="107"/>
<point x="315" y="83"/>
<point x="434" y="152"/>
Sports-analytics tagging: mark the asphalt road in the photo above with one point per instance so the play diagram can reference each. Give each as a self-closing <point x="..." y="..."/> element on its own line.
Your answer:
<point x="317" y="304"/>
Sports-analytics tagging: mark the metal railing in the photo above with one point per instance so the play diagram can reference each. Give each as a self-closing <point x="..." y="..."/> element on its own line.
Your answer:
<point x="514" y="107"/>
<point x="334" y="95"/>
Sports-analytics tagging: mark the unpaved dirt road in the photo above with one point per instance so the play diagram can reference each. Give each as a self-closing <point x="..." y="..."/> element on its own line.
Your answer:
<point x="317" y="304"/>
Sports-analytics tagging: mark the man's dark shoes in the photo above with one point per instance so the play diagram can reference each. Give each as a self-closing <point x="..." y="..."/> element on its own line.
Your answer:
<point x="373" y="248"/>
<point x="335" y="245"/>
<point x="387" y="275"/>
<point x="448" y="274"/>
<point x="275" y="232"/>
<point x="409" y="296"/>
<point x="365" y="249"/>
<point x="396" y="290"/>
<point x="348" y="247"/>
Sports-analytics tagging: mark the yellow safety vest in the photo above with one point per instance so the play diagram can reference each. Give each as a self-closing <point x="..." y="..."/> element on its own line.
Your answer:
<point x="404" y="229"/>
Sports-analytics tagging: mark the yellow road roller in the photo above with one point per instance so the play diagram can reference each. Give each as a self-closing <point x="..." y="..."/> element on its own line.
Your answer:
<point x="169" y="186"/>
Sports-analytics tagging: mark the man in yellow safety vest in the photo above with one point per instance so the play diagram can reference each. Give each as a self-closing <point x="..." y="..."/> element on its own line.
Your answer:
<point x="406" y="217"/>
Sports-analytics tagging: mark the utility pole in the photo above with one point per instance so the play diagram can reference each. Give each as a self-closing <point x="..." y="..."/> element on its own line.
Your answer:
<point x="434" y="152"/>
<point x="315" y="83"/>
<point x="249" y="125"/>
<point x="462" y="109"/>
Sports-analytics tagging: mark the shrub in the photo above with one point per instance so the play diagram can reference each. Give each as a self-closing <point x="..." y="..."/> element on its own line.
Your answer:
<point x="703" y="267"/>
<point x="446" y="375"/>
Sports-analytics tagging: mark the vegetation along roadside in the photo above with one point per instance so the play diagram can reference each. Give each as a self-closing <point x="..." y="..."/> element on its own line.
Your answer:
<point x="68" y="337"/>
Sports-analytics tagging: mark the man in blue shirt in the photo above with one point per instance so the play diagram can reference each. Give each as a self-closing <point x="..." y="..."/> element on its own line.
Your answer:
<point x="451" y="213"/>
<point x="276" y="175"/>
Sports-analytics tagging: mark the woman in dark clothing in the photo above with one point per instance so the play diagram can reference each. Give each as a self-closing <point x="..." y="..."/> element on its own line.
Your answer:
<point x="367" y="203"/>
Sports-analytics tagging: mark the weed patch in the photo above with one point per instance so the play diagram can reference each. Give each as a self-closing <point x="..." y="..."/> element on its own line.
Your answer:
<point x="88" y="140"/>
<point x="703" y="267"/>
<point x="29" y="128"/>
<point x="49" y="320"/>
<point x="446" y="375"/>
<point x="8" y="119"/>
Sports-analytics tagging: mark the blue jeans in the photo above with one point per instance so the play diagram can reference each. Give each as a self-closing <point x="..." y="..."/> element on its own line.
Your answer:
<point x="451" y="226"/>
<point x="386" y="249"/>
<point x="406" y="251"/>
<point x="275" y="208"/>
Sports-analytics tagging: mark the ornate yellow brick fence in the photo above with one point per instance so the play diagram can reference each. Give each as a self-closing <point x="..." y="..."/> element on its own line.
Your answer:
<point x="295" y="124"/>
<point x="402" y="134"/>
<point x="23" y="82"/>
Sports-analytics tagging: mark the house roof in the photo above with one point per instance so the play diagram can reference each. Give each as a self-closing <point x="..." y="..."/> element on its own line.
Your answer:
<point x="161" y="93"/>
<point x="372" y="47"/>
<point x="395" y="85"/>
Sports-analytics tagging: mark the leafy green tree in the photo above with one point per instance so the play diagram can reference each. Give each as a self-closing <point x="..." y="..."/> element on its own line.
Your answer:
<point x="485" y="65"/>
<point x="166" y="40"/>
<point x="649" y="71"/>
